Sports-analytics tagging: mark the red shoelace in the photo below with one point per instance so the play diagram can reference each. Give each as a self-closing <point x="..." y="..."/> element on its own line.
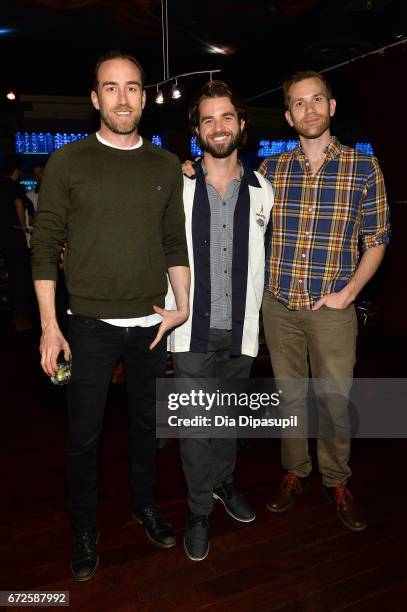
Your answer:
<point x="341" y="494"/>
<point x="289" y="482"/>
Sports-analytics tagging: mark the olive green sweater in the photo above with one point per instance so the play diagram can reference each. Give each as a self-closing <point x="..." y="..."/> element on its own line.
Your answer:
<point x="120" y="213"/>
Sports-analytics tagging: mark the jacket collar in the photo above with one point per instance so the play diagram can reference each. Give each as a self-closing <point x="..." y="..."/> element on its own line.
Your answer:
<point x="248" y="174"/>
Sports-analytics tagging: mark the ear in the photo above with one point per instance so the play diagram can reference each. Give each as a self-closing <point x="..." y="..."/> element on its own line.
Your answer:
<point x="287" y="115"/>
<point x="95" y="99"/>
<point x="332" y="107"/>
<point x="143" y="99"/>
<point x="242" y="124"/>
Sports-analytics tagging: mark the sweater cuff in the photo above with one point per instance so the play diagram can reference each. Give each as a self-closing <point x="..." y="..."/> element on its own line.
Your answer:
<point x="45" y="273"/>
<point x="177" y="259"/>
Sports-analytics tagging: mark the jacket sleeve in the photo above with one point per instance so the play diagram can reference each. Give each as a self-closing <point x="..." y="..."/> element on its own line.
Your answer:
<point x="49" y="233"/>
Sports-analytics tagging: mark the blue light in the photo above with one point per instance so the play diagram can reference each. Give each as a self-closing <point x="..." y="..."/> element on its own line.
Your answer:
<point x="5" y="31"/>
<point x="291" y="144"/>
<point x="29" y="184"/>
<point x="275" y="147"/>
<point x="38" y="143"/>
<point x="364" y="147"/>
<point x="43" y="143"/>
<point x="60" y="140"/>
<point x="195" y="150"/>
<point x="157" y="141"/>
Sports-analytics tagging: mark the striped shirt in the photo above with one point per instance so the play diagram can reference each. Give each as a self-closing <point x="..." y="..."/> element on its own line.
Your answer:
<point x="318" y="221"/>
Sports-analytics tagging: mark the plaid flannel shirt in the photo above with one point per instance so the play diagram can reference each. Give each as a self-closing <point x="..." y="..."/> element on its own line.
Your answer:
<point x="318" y="220"/>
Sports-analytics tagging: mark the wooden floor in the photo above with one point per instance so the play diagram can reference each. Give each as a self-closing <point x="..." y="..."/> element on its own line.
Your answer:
<point x="304" y="560"/>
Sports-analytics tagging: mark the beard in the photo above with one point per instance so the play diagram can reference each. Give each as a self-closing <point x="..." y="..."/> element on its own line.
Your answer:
<point x="315" y="130"/>
<point x="120" y="125"/>
<point x="222" y="149"/>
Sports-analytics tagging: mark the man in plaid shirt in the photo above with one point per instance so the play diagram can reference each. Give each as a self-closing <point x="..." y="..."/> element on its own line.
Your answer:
<point x="328" y="198"/>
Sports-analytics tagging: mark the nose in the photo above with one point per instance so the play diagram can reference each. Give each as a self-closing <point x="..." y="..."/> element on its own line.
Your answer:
<point x="122" y="96"/>
<point x="219" y="124"/>
<point x="309" y="106"/>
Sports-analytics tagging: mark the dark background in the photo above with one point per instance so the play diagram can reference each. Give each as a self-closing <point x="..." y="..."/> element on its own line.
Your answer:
<point x="48" y="49"/>
<point x="304" y="559"/>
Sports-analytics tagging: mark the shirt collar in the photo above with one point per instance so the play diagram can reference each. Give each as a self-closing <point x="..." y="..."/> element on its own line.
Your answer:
<point x="247" y="173"/>
<point x="241" y="169"/>
<point x="331" y="151"/>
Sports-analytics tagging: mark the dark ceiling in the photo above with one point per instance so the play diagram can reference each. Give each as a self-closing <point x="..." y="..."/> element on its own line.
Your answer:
<point x="52" y="44"/>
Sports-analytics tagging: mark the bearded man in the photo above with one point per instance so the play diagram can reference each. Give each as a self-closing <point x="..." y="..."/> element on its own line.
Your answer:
<point x="116" y="201"/>
<point x="328" y="199"/>
<point x="227" y="207"/>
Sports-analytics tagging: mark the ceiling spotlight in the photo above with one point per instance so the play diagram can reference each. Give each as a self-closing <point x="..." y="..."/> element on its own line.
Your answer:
<point x="220" y="50"/>
<point x="175" y="93"/>
<point x="159" y="97"/>
<point x="10" y="95"/>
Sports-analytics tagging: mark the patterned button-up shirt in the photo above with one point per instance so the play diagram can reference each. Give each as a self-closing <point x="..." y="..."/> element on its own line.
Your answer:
<point x="222" y="214"/>
<point x="318" y="221"/>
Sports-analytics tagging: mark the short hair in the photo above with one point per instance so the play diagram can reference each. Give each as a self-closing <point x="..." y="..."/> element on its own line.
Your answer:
<point x="12" y="162"/>
<point x="116" y="54"/>
<point x="301" y="75"/>
<point x="218" y="89"/>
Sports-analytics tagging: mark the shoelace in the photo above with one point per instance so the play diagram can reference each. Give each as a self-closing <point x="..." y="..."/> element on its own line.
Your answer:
<point x="151" y="514"/>
<point x="85" y="540"/>
<point x="341" y="494"/>
<point x="198" y="519"/>
<point x="86" y="536"/>
<point x="289" y="482"/>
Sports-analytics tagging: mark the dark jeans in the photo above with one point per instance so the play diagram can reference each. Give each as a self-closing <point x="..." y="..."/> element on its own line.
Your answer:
<point x="209" y="462"/>
<point x="96" y="346"/>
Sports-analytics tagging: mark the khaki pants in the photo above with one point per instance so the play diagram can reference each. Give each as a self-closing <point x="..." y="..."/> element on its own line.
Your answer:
<point x="327" y="337"/>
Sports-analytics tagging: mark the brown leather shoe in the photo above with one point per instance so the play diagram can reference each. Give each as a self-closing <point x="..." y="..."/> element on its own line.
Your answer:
<point x="283" y="498"/>
<point x="349" y="511"/>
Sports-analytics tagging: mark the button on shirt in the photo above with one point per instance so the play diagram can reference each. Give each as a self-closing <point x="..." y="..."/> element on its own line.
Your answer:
<point x="221" y="252"/>
<point x="319" y="219"/>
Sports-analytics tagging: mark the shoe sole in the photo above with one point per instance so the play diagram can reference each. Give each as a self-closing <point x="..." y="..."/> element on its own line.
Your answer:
<point x="237" y="518"/>
<point x="329" y="500"/>
<point x="90" y="575"/>
<point x="155" y="542"/>
<point x="281" y="510"/>
<point x="95" y="568"/>
<point x="352" y="528"/>
<point x="195" y="558"/>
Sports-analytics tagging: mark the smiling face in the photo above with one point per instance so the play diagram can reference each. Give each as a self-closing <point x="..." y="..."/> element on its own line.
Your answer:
<point x="310" y="110"/>
<point x="119" y="97"/>
<point x="220" y="131"/>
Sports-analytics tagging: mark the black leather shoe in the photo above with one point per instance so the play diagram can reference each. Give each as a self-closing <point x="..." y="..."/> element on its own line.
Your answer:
<point x="158" y="531"/>
<point x="85" y="561"/>
<point x="196" y="542"/>
<point x="235" y="503"/>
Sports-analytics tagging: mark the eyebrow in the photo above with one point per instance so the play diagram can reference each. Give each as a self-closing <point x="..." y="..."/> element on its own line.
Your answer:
<point x="319" y="93"/>
<point x="227" y="114"/>
<point x="116" y="83"/>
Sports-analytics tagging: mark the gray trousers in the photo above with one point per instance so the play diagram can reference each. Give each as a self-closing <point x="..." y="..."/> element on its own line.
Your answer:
<point x="209" y="462"/>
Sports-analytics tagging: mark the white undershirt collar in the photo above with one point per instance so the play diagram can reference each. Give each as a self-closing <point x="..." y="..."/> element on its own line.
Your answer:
<point x="109" y="144"/>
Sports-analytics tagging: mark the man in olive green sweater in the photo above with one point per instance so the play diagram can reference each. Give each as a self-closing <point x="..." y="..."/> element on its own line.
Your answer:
<point x="115" y="200"/>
